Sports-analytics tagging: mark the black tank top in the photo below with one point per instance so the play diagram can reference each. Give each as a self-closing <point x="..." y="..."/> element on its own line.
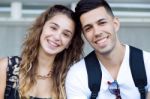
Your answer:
<point x="12" y="83"/>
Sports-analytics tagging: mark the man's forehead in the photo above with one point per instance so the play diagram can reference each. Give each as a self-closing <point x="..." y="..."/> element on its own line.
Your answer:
<point x="93" y="15"/>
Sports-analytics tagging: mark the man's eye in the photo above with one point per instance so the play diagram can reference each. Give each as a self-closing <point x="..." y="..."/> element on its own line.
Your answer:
<point x="53" y="28"/>
<point x="101" y="23"/>
<point x="87" y="29"/>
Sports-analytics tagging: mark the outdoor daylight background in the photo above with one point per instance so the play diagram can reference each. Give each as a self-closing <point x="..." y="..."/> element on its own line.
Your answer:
<point x="16" y="16"/>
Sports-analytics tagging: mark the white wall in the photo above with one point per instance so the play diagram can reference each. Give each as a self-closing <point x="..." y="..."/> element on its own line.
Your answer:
<point x="11" y="37"/>
<point x="135" y="25"/>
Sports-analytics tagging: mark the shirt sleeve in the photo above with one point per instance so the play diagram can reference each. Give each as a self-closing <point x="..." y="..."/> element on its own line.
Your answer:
<point x="75" y="84"/>
<point x="147" y="68"/>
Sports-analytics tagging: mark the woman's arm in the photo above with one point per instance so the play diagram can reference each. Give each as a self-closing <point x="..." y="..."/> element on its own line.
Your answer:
<point x="3" y="71"/>
<point x="148" y="95"/>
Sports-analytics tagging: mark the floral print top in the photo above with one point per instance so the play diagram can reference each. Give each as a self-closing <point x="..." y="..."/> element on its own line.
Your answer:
<point x="12" y="83"/>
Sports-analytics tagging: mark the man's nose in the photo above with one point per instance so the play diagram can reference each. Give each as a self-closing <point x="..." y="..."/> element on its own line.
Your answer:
<point x="97" y="31"/>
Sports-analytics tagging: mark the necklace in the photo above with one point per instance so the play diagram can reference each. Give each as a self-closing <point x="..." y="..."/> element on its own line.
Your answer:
<point x="43" y="77"/>
<point x="31" y="97"/>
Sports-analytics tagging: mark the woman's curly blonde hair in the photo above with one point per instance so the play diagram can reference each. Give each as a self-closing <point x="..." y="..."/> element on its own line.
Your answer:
<point x="62" y="61"/>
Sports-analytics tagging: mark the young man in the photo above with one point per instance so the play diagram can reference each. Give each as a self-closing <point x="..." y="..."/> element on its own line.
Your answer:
<point x="100" y="28"/>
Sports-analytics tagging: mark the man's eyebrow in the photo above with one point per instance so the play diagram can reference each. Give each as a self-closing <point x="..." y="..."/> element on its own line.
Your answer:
<point x="103" y="19"/>
<point x="87" y="25"/>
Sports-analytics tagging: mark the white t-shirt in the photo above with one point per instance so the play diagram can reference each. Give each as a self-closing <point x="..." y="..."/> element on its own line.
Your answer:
<point x="77" y="80"/>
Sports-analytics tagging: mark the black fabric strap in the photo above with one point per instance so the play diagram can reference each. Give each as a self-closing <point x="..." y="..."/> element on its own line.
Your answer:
<point x="138" y="70"/>
<point x="10" y="92"/>
<point x="94" y="74"/>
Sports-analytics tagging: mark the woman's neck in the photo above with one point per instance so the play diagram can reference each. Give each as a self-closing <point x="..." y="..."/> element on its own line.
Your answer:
<point x="45" y="59"/>
<point x="45" y="62"/>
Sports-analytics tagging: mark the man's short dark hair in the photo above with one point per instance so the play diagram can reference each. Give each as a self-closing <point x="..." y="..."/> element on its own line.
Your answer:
<point x="84" y="6"/>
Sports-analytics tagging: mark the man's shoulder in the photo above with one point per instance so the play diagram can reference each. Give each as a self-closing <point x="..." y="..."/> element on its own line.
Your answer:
<point x="80" y="64"/>
<point x="146" y="53"/>
<point x="78" y="69"/>
<point x="146" y="56"/>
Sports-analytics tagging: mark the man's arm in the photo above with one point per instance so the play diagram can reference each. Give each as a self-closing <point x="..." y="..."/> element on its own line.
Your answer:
<point x="3" y="70"/>
<point x="148" y="74"/>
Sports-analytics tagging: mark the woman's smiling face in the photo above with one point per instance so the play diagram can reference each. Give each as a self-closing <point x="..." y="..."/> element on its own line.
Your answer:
<point x="57" y="34"/>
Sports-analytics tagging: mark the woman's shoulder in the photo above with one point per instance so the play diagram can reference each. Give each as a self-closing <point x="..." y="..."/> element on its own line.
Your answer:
<point x="12" y="60"/>
<point x="3" y="63"/>
<point x="10" y="66"/>
<point x="12" y="77"/>
<point x="13" y="72"/>
<point x="13" y="65"/>
<point x="3" y="70"/>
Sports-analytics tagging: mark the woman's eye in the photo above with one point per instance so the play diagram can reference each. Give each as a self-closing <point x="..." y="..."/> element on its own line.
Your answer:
<point x="66" y="34"/>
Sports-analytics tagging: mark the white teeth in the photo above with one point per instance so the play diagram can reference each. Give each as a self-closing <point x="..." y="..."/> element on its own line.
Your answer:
<point x="52" y="43"/>
<point x="101" y="41"/>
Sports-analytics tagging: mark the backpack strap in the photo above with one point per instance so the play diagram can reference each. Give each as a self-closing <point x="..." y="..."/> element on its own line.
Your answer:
<point x="138" y="70"/>
<point x="94" y="74"/>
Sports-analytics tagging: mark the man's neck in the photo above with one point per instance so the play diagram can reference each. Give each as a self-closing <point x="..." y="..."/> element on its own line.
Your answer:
<point x="113" y="60"/>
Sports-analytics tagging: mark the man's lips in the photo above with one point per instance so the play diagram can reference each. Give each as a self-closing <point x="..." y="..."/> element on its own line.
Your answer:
<point x="101" y="40"/>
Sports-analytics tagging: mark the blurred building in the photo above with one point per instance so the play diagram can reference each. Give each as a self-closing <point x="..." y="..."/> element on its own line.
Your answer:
<point x="16" y="16"/>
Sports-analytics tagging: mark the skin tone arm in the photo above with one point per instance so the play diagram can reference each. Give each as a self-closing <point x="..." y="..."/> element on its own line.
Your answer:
<point x="3" y="67"/>
<point x="148" y="95"/>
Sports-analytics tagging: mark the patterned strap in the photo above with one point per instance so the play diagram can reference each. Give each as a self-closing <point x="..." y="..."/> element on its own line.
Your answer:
<point x="12" y="76"/>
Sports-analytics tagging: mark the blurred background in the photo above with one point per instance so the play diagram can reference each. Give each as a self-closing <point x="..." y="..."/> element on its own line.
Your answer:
<point x="16" y="16"/>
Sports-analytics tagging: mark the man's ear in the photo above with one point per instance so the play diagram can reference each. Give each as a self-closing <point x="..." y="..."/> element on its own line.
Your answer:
<point x="116" y="24"/>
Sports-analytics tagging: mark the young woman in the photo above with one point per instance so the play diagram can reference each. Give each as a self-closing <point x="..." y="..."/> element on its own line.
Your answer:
<point x="53" y="44"/>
